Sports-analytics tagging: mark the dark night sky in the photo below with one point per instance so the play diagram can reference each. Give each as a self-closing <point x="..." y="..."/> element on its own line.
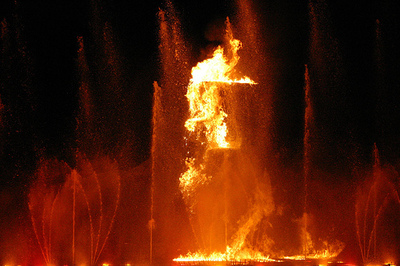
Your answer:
<point x="50" y="29"/>
<point x="39" y="118"/>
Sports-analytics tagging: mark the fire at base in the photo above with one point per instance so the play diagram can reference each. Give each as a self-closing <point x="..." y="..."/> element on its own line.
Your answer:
<point x="209" y="132"/>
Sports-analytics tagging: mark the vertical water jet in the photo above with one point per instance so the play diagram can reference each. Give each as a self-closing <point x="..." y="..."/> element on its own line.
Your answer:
<point x="308" y="124"/>
<point x="258" y="63"/>
<point x="157" y="115"/>
<point x="169" y="211"/>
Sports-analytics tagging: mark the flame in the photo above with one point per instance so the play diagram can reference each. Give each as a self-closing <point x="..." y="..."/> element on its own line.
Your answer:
<point x="207" y="116"/>
<point x="205" y="103"/>
<point x="208" y="121"/>
<point x="206" y="110"/>
<point x="191" y="179"/>
<point x="320" y="255"/>
<point x="219" y="68"/>
<point x="228" y="255"/>
<point x="328" y="252"/>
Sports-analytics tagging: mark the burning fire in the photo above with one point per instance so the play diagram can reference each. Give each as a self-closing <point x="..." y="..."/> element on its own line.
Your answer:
<point x="207" y="116"/>
<point x="208" y="123"/>
<point x="227" y="256"/>
<point x="320" y="255"/>
<point x="204" y="93"/>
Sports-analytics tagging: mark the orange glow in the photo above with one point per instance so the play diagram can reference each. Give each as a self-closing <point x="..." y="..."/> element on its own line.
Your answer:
<point x="192" y="178"/>
<point x="331" y="251"/>
<point x="389" y="264"/>
<point x="227" y="256"/>
<point x="206" y="113"/>
<point x="219" y="68"/>
<point x="207" y="122"/>
<point x="205" y="103"/>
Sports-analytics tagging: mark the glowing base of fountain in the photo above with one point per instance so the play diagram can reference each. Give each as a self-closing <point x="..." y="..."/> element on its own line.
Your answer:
<point x="220" y="263"/>
<point x="224" y="259"/>
<point x="282" y="262"/>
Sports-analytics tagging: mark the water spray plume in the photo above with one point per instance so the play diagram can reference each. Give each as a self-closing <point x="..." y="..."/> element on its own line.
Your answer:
<point x="372" y="202"/>
<point x="76" y="203"/>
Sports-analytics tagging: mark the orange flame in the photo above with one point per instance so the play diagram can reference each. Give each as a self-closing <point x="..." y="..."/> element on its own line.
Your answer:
<point x="204" y="93"/>
<point x="208" y="120"/>
<point x="192" y="178"/>
<point x="206" y="113"/>
<point x="227" y="256"/>
<point x="329" y="251"/>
